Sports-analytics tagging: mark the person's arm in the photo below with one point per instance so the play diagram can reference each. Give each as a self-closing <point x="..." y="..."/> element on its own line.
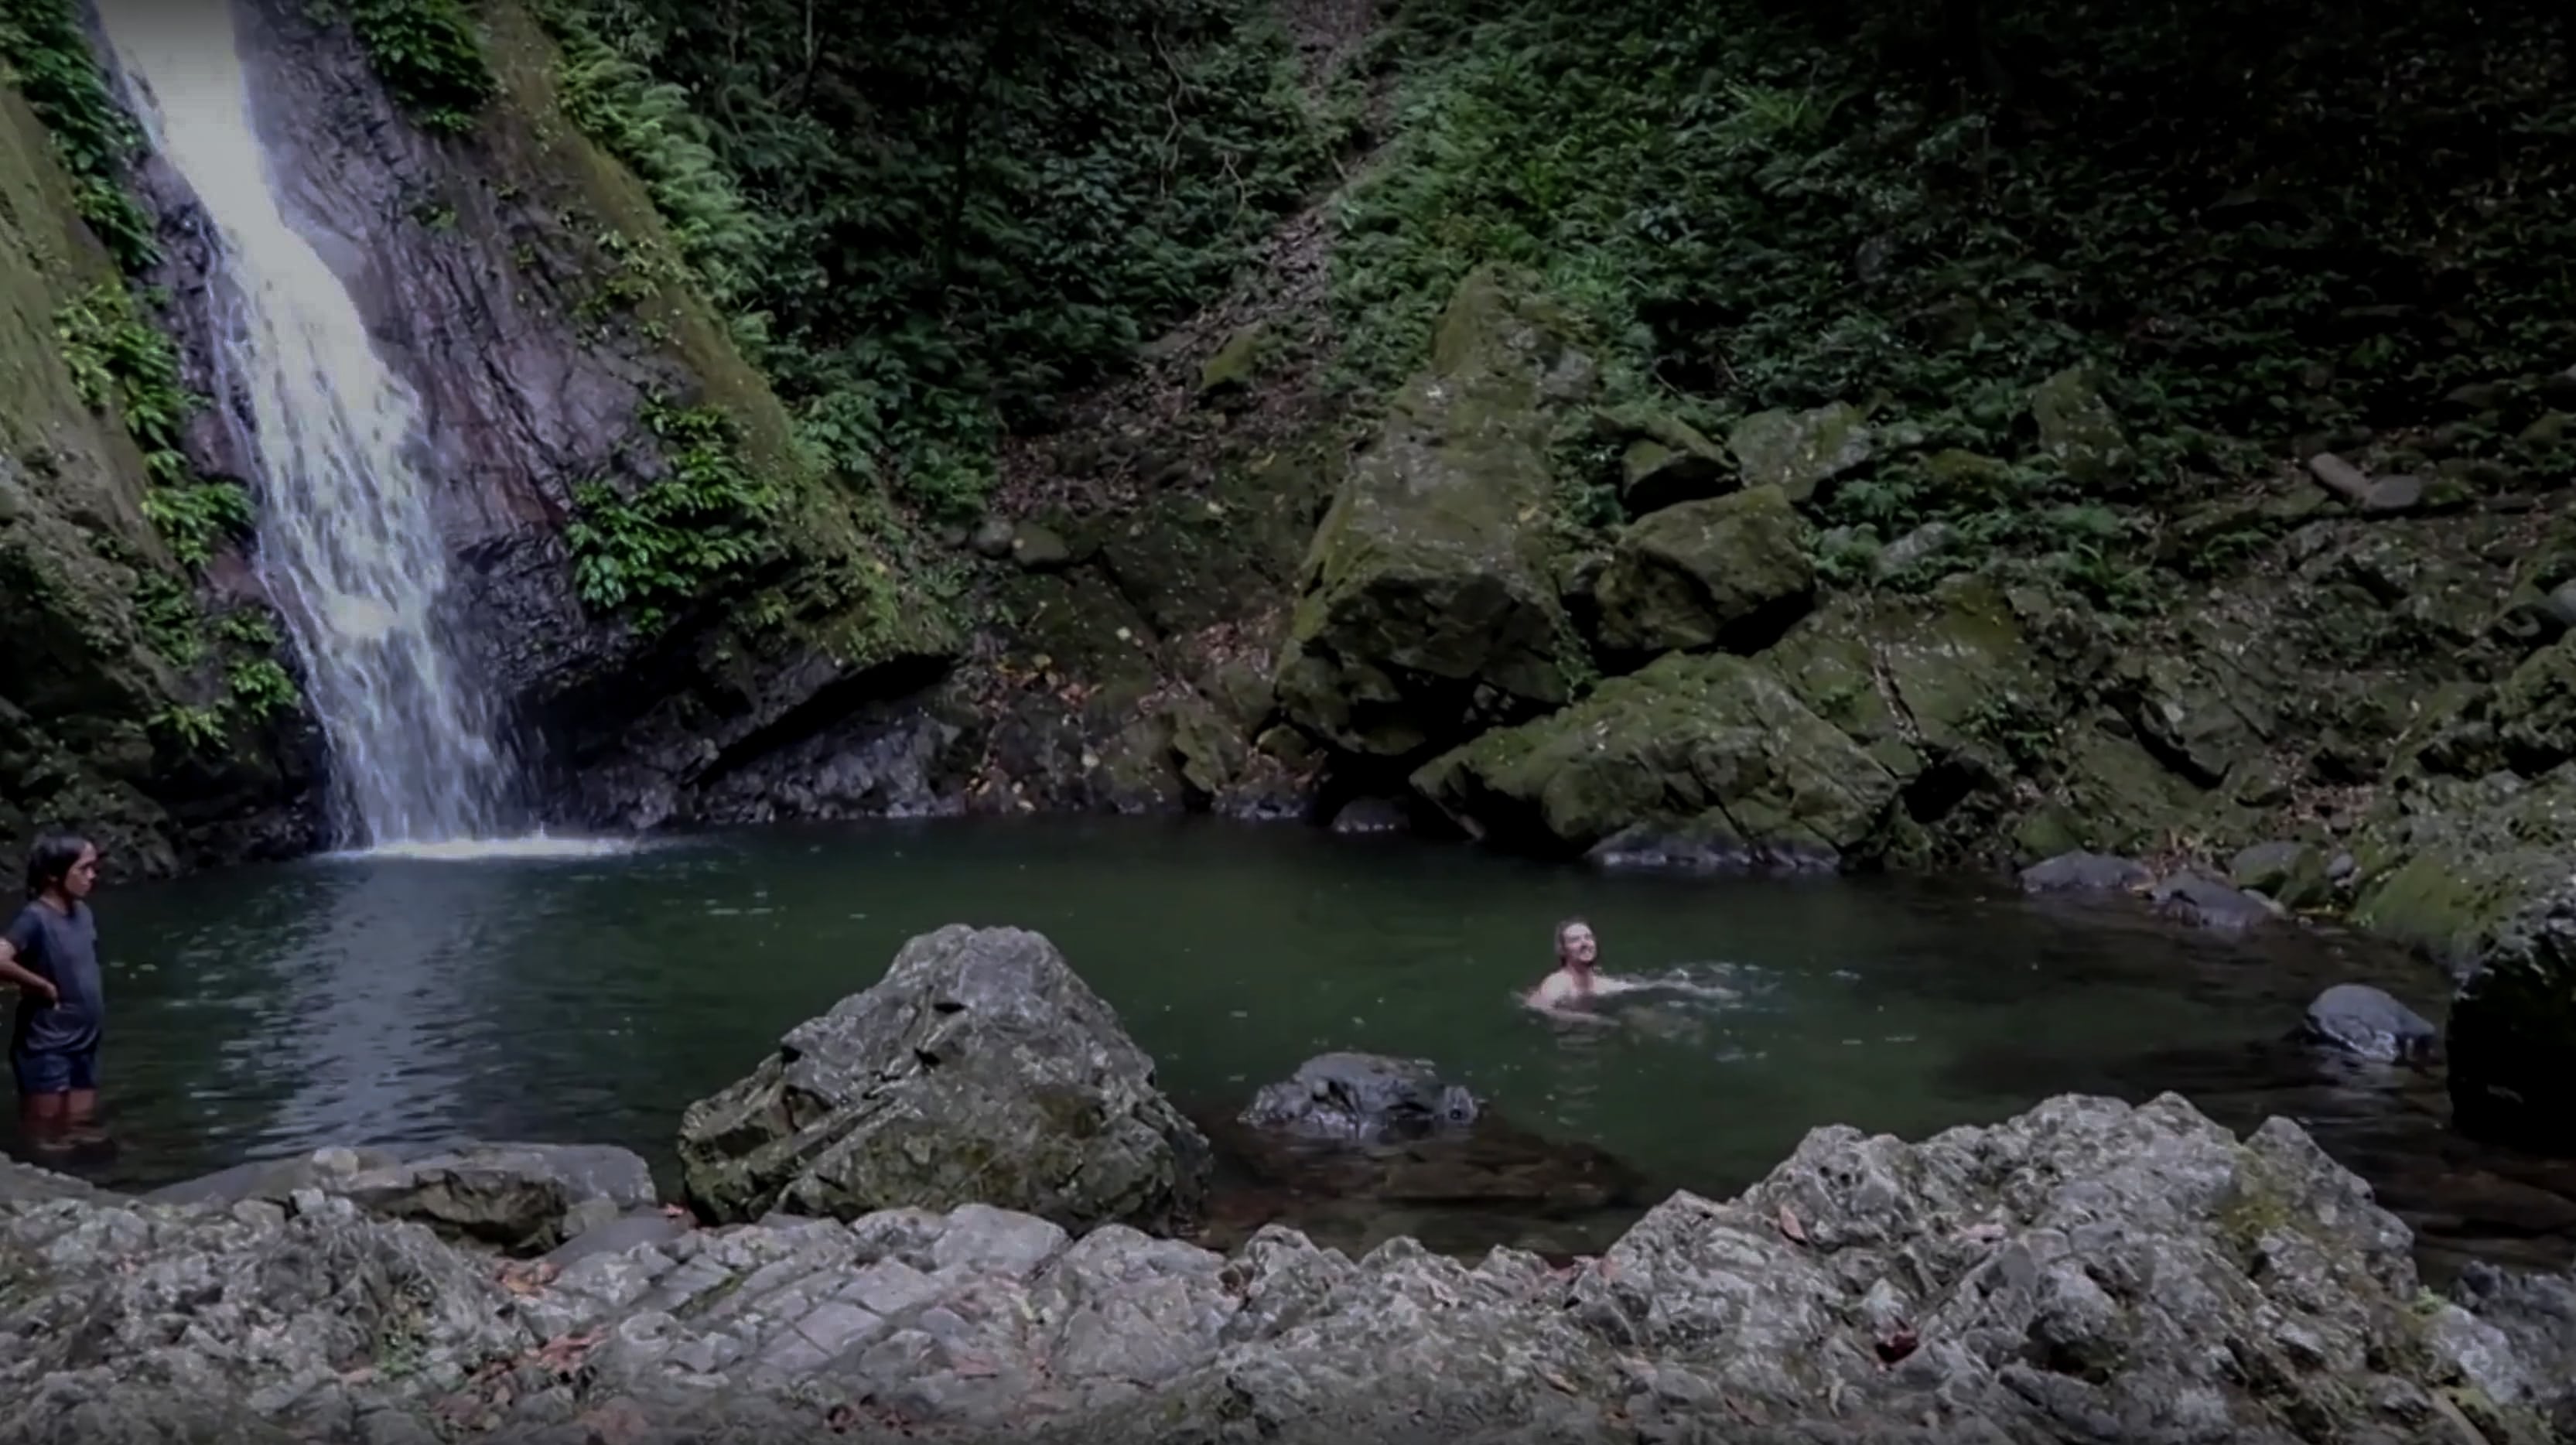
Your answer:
<point x="20" y="974"/>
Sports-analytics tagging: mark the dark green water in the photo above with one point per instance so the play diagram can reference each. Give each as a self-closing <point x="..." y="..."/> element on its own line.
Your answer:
<point x="356" y="1000"/>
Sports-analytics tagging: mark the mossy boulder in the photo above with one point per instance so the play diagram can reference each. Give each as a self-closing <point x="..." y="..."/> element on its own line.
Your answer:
<point x="1428" y="603"/>
<point x="1230" y="370"/>
<point x="1715" y="748"/>
<point x="2481" y="876"/>
<point x="1799" y="452"/>
<point x="2078" y="430"/>
<point x="1731" y="570"/>
<point x="1665" y="461"/>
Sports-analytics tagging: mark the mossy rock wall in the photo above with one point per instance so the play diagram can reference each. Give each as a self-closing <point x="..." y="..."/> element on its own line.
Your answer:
<point x="82" y="681"/>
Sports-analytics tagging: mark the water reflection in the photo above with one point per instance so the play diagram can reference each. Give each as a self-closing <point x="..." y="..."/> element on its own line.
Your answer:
<point x="400" y="1001"/>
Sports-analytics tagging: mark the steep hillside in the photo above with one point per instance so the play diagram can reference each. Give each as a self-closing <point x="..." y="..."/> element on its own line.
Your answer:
<point x="141" y="698"/>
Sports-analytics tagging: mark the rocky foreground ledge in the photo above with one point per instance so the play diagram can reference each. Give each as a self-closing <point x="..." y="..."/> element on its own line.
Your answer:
<point x="2088" y="1271"/>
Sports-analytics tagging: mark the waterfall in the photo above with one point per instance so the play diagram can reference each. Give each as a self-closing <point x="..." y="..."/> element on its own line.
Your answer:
<point x="348" y="550"/>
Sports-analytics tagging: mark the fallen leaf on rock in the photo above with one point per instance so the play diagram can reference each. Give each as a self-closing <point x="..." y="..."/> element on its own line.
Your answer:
<point x="1559" y="1381"/>
<point x="1790" y="1228"/>
<point x="563" y="1354"/>
<point x="359" y="1376"/>
<point x="681" y="1213"/>
<point x="1896" y="1344"/>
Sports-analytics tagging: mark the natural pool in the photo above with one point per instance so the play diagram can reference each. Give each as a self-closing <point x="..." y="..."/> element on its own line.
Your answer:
<point x="389" y="1000"/>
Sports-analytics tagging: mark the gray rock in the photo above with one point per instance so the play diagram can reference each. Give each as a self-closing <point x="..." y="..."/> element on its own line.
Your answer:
<point x="1362" y="1096"/>
<point x="2367" y="1023"/>
<point x="2206" y="902"/>
<point x="993" y="536"/>
<point x="981" y="1069"/>
<point x="522" y="1198"/>
<point x="1370" y="815"/>
<point x="2085" y="873"/>
<point x="2087" y="1271"/>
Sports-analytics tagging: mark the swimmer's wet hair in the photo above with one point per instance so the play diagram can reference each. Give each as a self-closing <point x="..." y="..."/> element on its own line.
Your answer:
<point x="1568" y="926"/>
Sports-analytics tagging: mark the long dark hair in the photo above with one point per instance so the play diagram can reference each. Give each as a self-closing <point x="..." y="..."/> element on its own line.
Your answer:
<point x="51" y="860"/>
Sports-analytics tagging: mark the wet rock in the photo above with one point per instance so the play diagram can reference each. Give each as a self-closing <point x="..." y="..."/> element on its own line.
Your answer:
<point x="1372" y="815"/>
<point x="2086" y="873"/>
<point x="1712" y="747"/>
<point x="2366" y="1023"/>
<point x="1429" y="601"/>
<point x="981" y="1068"/>
<point x="1362" y="1096"/>
<point x="2206" y="902"/>
<point x="1733" y="570"/>
<point x="1799" y="452"/>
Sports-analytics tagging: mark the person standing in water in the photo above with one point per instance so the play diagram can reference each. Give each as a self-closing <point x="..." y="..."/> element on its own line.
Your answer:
<point x="51" y="953"/>
<point x="1576" y="949"/>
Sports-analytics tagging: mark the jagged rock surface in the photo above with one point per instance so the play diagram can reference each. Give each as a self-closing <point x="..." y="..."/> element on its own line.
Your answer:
<point x="2089" y="1270"/>
<point x="980" y="1069"/>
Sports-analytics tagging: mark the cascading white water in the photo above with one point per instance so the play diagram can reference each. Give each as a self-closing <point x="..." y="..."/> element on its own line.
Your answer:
<point x="348" y="549"/>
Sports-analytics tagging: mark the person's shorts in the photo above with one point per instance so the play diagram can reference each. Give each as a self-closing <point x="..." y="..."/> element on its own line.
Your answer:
<point x="55" y="1071"/>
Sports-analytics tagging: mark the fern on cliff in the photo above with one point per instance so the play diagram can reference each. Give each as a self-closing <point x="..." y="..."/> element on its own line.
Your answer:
<point x="46" y="55"/>
<point x="428" y="55"/>
<point x="954" y="215"/>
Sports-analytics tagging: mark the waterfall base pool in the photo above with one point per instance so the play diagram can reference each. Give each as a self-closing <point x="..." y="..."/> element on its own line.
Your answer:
<point x="418" y="1000"/>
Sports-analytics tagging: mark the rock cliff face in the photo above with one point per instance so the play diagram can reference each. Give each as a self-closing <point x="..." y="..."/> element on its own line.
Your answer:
<point x="521" y="280"/>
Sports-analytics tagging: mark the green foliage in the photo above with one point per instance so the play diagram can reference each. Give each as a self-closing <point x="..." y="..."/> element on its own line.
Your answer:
<point x="647" y="551"/>
<point x="429" y="57"/>
<point x="45" y="53"/>
<point x="2260" y="221"/>
<point x="938" y="220"/>
<point x="124" y="364"/>
<point x="259" y="688"/>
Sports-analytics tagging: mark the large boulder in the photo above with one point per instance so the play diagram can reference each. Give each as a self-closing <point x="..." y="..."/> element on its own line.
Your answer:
<point x="1730" y="571"/>
<point x="982" y="1069"/>
<point x="1714" y="749"/>
<point x="2479" y="876"/>
<point x="2088" y="1271"/>
<point x="1429" y="596"/>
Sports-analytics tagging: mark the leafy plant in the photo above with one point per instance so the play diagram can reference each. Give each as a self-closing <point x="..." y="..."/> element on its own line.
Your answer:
<point x="648" y="550"/>
<point x="935" y="221"/>
<point x="44" y="52"/>
<point x="429" y="57"/>
<point x="124" y="364"/>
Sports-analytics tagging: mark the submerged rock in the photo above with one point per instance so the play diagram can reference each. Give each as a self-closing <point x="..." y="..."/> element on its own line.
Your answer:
<point x="2088" y="1270"/>
<point x="1361" y="1096"/>
<point x="2086" y="873"/>
<point x="982" y="1069"/>
<point x="1429" y="598"/>
<point x="2366" y="1023"/>
<point x="2206" y="902"/>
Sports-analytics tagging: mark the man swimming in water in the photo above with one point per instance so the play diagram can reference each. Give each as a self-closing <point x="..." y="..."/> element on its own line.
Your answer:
<point x="1571" y="984"/>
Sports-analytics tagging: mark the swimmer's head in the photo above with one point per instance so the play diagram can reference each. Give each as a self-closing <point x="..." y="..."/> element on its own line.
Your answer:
<point x="1576" y="948"/>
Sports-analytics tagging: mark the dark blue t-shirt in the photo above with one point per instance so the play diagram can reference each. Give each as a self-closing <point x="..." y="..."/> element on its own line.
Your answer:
<point x="64" y="949"/>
